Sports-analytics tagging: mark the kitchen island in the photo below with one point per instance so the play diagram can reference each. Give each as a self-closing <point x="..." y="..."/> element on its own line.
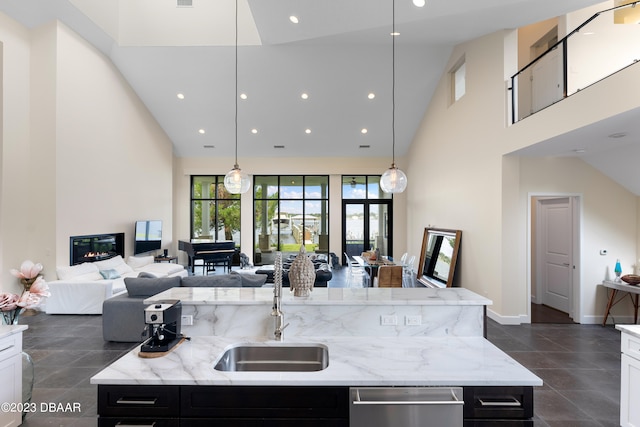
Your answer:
<point x="437" y="353"/>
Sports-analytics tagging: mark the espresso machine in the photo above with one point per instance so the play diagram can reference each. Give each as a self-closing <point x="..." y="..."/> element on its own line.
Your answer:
<point x="162" y="326"/>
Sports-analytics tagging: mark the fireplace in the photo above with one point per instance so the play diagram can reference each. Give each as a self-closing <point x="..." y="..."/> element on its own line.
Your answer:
<point x="95" y="247"/>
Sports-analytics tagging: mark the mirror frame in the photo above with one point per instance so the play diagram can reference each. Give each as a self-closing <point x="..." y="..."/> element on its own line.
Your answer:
<point x="429" y="281"/>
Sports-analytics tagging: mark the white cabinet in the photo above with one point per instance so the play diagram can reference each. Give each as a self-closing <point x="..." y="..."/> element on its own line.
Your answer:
<point x="630" y="380"/>
<point x="11" y="374"/>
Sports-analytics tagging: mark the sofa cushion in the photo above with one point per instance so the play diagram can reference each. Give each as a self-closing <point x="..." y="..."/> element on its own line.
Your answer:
<point x="137" y="262"/>
<point x="146" y="287"/>
<point x="215" y="281"/>
<point x="109" y="274"/>
<point x="161" y="269"/>
<point x="251" y="280"/>
<point x="80" y="272"/>
<point x="116" y="263"/>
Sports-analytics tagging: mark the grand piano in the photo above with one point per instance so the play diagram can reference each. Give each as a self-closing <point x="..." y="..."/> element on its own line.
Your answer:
<point x="211" y="254"/>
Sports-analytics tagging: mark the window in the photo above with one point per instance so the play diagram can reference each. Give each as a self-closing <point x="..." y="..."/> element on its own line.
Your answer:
<point x="215" y="213"/>
<point x="458" y="80"/>
<point x="290" y="211"/>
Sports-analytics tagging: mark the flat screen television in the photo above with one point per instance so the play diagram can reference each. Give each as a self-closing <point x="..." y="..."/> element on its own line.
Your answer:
<point x="148" y="236"/>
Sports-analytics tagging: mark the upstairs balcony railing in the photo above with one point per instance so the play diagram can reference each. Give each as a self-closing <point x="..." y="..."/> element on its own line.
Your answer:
<point x="603" y="45"/>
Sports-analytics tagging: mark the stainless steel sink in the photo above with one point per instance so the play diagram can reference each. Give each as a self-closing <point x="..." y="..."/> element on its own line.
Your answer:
<point x="279" y="358"/>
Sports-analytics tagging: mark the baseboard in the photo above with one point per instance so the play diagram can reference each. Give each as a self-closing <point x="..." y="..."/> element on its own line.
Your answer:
<point x="611" y="320"/>
<point x="508" y="320"/>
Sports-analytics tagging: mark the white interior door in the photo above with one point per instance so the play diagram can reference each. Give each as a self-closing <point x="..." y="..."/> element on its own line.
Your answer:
<point x="556" y="250"/>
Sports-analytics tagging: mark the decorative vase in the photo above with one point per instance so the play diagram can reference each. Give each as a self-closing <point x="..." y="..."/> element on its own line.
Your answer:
<point x="28" y="377"/>
<point x="11" y="317"/>
<point x="302" y="274"/>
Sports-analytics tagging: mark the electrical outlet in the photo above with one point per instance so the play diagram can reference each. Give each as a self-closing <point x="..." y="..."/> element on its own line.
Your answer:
<point x="388" y="320"/>
<point x="415" y="320"/>
<point x="187" y="320"/>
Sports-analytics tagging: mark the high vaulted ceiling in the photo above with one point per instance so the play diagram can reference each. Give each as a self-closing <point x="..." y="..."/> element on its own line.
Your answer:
<point x="338" y="53"/>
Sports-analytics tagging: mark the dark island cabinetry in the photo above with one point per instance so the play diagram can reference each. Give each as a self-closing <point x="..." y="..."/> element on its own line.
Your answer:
<point x="234" y="406"/>
<point x="281" y="406"/>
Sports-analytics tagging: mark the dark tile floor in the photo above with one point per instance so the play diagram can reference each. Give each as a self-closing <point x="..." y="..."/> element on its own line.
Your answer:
<point x="579" y="364"/>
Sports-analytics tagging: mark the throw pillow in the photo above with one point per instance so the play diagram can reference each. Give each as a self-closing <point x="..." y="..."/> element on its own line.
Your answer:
<point x="109" y="274"/>
<point x="146" y="287"/>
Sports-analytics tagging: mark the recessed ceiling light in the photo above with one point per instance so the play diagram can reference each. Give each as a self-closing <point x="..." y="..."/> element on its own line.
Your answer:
<point x="364" y="130"/>
<point x="201" y="131"/>
<point x="419" y="3"/>
<point x="243" y="96"/>
<point x="180" y="95"/>
<point x="304" y="95"/>
<point x="395" y="34"/>
<point x="579" y="150"/>
<point x="307" y="131"/>
<point x="371" y="95"/>
<point x="294" y="19"/>
<point x="254" y="131"/>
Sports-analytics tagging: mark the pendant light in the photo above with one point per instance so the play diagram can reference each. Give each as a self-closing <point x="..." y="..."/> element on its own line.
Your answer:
<point x="393" y="180"/>
<point x="236" y="181"/>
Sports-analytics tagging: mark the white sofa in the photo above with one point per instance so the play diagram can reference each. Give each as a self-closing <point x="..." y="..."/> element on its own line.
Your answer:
<point x="82" y="288"/>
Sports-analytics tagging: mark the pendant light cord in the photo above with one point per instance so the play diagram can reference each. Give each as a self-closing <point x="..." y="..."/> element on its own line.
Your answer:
<point x="236" y="99"/>
<point x="393" y="85"/>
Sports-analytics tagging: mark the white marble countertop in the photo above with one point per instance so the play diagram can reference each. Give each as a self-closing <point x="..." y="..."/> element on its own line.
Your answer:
<point x="353" y="361"/>
<point x="6" y="330"/>
<point x="633" y="330"/>
<point x="323" y="296"/>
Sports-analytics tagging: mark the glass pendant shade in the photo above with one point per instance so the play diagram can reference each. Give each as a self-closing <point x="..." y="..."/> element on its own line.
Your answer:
<point x="393" y="180"/>
<point x="236" y="181"/>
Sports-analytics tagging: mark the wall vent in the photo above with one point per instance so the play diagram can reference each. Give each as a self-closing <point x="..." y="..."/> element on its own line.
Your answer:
<point x="278" y="146"/>
<point x="185" y="3"/>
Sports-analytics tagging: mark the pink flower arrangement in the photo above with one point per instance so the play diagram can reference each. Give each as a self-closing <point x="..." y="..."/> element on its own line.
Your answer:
<point x="35" y="289"/>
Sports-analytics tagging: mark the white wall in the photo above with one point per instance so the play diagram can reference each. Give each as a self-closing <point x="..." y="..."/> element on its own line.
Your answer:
<point x="459" y="154"/>
<point x="16" y="202"/>
<point x="81" y="154"/>
<point x="608" y="221"/>
<point x="114" y="162"/>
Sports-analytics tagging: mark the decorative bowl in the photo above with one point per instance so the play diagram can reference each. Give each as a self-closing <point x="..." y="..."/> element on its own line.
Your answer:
<point x="631" y="279"/>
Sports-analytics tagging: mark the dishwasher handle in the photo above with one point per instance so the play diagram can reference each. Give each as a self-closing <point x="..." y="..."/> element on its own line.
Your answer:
<point x="454" y="401"/>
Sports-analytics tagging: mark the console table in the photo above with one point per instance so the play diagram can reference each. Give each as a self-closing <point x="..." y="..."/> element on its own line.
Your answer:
<point x="629" y="290"/>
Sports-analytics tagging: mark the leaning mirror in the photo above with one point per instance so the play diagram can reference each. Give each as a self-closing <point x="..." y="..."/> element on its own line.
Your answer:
<point x="438" y="257"/>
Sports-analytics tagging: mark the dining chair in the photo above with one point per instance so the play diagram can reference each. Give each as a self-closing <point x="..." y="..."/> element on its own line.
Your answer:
<point x="390" y="276"/>
<point x="357" y="276"/>
<point x="408" y="273"/>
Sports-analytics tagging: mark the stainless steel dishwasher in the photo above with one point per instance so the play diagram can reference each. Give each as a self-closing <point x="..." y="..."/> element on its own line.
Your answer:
<point x="406" y="407"/>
